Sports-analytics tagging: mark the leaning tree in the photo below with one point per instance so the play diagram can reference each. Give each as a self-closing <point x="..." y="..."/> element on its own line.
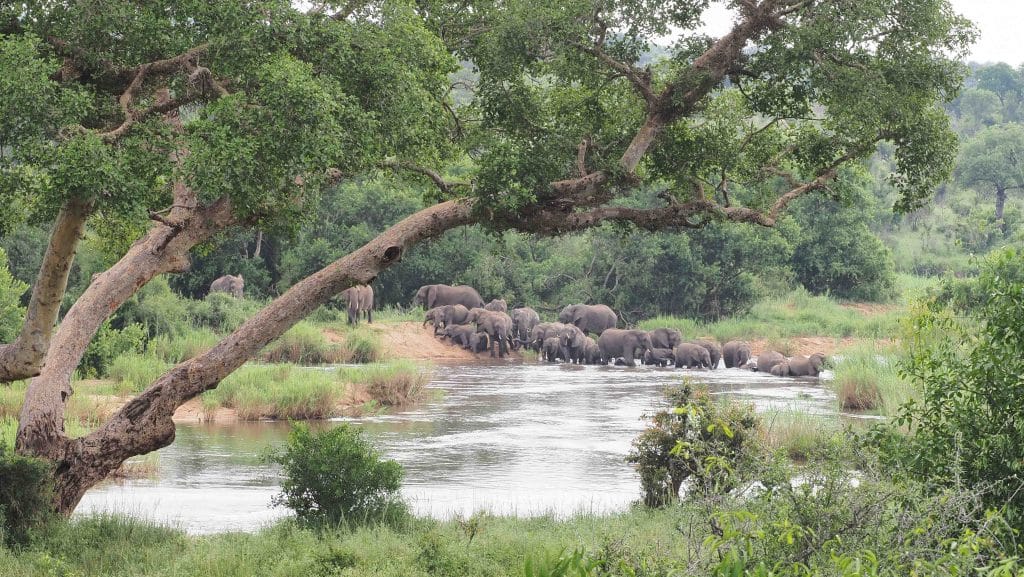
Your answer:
<point x="171" y="122"/>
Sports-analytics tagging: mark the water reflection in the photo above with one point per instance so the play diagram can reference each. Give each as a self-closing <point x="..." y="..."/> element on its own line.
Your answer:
<point x="513" y="438"/>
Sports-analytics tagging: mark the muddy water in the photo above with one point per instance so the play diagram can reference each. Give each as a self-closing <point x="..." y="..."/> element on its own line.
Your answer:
<point x="519" y="438"/>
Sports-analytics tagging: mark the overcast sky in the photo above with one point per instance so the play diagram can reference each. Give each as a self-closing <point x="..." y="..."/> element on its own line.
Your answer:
<point x="1000" y="25"/>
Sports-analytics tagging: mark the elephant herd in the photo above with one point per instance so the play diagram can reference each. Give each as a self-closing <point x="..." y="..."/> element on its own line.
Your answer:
<point x="459" y="314"/>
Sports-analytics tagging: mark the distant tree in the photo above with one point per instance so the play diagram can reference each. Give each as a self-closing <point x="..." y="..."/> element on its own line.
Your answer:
<point x="1000" y="79"/>
<point x="978" y="108"/>
<point x="994" y="159"/>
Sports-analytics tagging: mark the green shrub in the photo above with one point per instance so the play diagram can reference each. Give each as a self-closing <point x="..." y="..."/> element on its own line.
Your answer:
<point x="695" y="440"/>
<point x="221" y="312"/>
<point x="277" y="391"/>
<point x="336" y="477"/>
<point x="158" y="309"/>
<point x="25" y="496"/>
<point x="108" y="344"/>
<point x="362" y="346"/>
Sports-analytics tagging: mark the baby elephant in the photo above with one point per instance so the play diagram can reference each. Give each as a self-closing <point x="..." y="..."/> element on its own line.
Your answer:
<point x="233" y="285"/>
<point x="659" y="356"/>
<point x="692" y="356"/>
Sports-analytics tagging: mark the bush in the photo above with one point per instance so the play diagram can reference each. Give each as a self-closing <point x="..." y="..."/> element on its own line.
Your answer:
<point x="696" y="440"/>
<point x="108" y="344"/>
<point x="12" y="314"/>
<point x="221" y="312"/>
<point x="25" y="496"/>
<point x="135" y="372"/>
<point x="968" y="425"/>
<point x="336" y="476"/>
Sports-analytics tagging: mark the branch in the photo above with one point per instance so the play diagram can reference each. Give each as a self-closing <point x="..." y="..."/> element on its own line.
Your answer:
<point x="445" y="185"/>
<point x="641" y="79"/>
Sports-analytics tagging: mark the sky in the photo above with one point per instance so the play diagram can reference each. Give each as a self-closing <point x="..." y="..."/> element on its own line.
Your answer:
<point x="1000" y="25"/>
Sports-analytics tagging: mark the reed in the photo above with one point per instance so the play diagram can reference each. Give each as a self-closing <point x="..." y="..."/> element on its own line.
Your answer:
<point x="134" y="372"/>
<point x="175" y="349"/>
<point x="866" y="379"/>
<point x="277" y="392"/>
<point x="303" y="344"/>
<point x="392" y="384"/>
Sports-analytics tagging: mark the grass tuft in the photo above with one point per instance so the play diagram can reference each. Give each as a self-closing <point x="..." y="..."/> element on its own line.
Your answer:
<point x="276" y="392"/>
<point x="392" y="384"/>
<point x="866" y="379"/>
<point x="303" y="344"/>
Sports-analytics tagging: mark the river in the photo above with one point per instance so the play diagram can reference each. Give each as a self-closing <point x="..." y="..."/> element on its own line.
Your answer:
<point x="510" y="437"/>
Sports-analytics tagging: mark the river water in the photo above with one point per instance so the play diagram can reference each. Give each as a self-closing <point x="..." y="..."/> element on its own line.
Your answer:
<point x="509" y="437"/>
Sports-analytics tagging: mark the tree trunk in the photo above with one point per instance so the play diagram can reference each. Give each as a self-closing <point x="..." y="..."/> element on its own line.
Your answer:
<point x="145" y="423"/>
<point x="24" y="357"/>
<point x="1000" y="204"/>
<point x="163" y="249"/>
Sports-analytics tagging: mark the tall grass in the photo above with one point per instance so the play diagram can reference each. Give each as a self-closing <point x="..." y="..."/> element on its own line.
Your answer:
<point x="277" y="392"/>
<point x="303" y="344"/>
<point x="798" y="434"/>
<point x="134" y="372"/>
<point x="866" y="379"/>
<point x="392" y="384"/>
<point x="362" y="345"/>
<point x="175" y="349"/>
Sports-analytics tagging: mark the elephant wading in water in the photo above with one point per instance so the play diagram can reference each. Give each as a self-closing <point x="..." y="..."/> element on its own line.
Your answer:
<point x="233" y="285"/>
<point x="479" y="342"/>
<point x="624" y="343"/>
<point x="801" y="366"/>
<point x="551" y="349"/>
<point x="659" y="356"/>
<point x="692" y="356"/>
<point x="666" y="338"/>
<point x="360" y="300"/>
<point x="591" y="319"/>
<point x="592" y="352"/>
<point x="714" y="351"/>
<point x="542" y="331"/>
<point x="573" y="342"/>
<point x="768" y="359"/>
<point x="435" y="295"/>
<point x="736" y="353"/>
<point x="523" y="321"/>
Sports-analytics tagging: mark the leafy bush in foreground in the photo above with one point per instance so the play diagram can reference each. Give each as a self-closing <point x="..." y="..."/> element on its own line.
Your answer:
<point x="336" y="476"/>
<point x="25" y="495"/>
<point x="696" y="440"/>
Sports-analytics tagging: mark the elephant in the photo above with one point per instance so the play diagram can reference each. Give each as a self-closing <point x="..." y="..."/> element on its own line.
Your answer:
<point x="434" y="295"/>
<point x="523" y="321"/>
<point x="542" y="331"/>
<point x="768" y="359"/>
<point x="736" y="353"/>
<point x="659" y="356"/>
<point x="666" y="338"/>
<point x="360" y="300"/>
<point x="623" y="343"/>
<point x="498" y="327"/>
<point x="781" y="369"/>
<point x="592" y="352"/>
<point x="454" y="315"/>
<point x="589" y="318"/>
<point x="435" y="317"/>
<point x="801" y="366"/>
<point x="479" y="342"/>
<point x="551" y="349"/>
<point x="497" y="305"/>
<point x="460" y="334"/>
<point x="233" y="285"/>
<point x="573" y="342"/>
<point x="692" y="356"/>
<point x="714" y="351"/>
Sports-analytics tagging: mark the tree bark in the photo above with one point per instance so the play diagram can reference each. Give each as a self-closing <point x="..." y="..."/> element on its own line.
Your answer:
<point x="24" y="357"/>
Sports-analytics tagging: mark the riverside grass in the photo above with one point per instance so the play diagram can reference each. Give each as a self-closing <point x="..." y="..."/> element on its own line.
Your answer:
<point x="866" y="379"/>
<point x="284" y="391"/>
<point x="798" y="314"/>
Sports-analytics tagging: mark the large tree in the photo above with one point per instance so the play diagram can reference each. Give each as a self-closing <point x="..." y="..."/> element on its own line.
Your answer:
<point x="994" y="159"/>
<point x="199" y="117"/>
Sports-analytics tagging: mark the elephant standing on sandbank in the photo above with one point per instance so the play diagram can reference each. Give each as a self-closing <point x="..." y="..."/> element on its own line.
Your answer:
<point x="233" y="285"/>
<point x="435" y="295"/>
<point x="591" y="319"/>
<point x="360" y="300"/>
